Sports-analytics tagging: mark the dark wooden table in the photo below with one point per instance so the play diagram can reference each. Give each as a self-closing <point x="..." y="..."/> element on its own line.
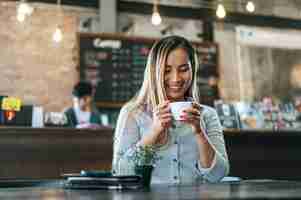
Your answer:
<point x="264" y="189"/>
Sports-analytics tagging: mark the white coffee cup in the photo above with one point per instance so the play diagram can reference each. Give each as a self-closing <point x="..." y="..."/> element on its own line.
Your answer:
<point x="177" y="108"/>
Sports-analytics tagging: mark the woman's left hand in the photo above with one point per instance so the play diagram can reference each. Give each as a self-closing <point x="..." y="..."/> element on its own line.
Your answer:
<point x="192" y="116"/>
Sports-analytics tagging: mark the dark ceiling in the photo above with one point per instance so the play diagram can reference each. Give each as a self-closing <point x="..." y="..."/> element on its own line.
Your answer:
<point x="82" y="3"/>
<point x="89" y="3"/>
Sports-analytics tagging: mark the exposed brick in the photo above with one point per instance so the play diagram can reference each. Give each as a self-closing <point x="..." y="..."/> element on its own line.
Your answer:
<point x="32" y="66"/>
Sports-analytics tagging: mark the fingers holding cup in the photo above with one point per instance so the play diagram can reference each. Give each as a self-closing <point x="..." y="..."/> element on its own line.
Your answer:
<point x="192" y="116"/>
<point x="162" y="116"/>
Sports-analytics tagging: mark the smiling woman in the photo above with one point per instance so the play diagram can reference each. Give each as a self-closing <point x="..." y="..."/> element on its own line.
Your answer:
<point x="191" y="147"/>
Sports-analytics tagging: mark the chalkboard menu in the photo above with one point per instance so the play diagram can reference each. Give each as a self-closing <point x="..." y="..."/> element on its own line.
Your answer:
<point x="115" y="66"/>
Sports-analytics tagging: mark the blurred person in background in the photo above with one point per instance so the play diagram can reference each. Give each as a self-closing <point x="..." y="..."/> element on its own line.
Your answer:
<point x="83" y="113"/>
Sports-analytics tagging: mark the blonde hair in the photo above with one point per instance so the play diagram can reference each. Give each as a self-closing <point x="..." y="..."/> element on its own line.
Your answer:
<point x="152" y="91"/>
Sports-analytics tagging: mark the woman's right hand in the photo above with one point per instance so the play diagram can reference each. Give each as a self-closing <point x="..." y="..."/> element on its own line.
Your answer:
<point x="162" y="118"/>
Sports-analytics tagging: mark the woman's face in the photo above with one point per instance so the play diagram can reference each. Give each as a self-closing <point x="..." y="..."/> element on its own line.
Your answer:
<point x="177" y="75"/>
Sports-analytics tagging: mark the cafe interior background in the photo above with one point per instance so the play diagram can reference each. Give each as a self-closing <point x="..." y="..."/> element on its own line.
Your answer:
<point x="253" y="82"/>
<point x="258" y="51"/>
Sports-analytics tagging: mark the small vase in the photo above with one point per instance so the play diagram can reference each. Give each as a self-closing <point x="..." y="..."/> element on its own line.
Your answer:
<point x="145" y="171"/>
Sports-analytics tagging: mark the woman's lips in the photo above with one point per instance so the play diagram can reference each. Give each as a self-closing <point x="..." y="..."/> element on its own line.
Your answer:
<point x="175" y="88"/>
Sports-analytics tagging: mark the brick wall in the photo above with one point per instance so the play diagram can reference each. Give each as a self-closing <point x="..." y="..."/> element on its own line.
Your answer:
<point x="32" y="66"/>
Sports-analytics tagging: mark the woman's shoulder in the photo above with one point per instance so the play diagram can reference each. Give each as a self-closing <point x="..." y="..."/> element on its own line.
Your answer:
<point x="131" y="110"/>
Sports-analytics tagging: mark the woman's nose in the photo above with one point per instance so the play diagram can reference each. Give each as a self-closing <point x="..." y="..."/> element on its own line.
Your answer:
<point x="175" y="76"/>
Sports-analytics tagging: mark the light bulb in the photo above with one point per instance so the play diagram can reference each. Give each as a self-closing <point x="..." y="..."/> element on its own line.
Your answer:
<point x="20" y="17"/>
<point x="58" y="35"/>
<point x="250" y="6"/>
<point x="220" y="11"/>
<point x="24" y="9"/>
<point x="156" y="18"/>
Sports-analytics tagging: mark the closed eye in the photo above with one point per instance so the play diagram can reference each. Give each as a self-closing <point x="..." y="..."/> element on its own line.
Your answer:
<point x="184" y="68"/>
<point x="167" y="69"/>
<point x="181" y="68"/>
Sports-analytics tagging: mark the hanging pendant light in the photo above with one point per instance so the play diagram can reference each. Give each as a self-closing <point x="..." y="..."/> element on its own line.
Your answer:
<point x="250" y="6"/>
<point x="220" y="11"/>
<point x="58" y="33"/>
<point x="20" y="17"/>
<point x="156" y="18"/>
<point x="23" y="10"/>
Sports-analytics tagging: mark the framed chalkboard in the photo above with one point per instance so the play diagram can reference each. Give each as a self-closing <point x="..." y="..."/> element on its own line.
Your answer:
<point x="115" y="64"/>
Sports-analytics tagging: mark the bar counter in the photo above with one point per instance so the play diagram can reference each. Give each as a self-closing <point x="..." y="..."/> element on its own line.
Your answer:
<point x="259" y="189"/>
<point x="48" y="152"/>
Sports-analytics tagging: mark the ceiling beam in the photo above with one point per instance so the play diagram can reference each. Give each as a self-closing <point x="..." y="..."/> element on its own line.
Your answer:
<point x="81" y="3"/>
